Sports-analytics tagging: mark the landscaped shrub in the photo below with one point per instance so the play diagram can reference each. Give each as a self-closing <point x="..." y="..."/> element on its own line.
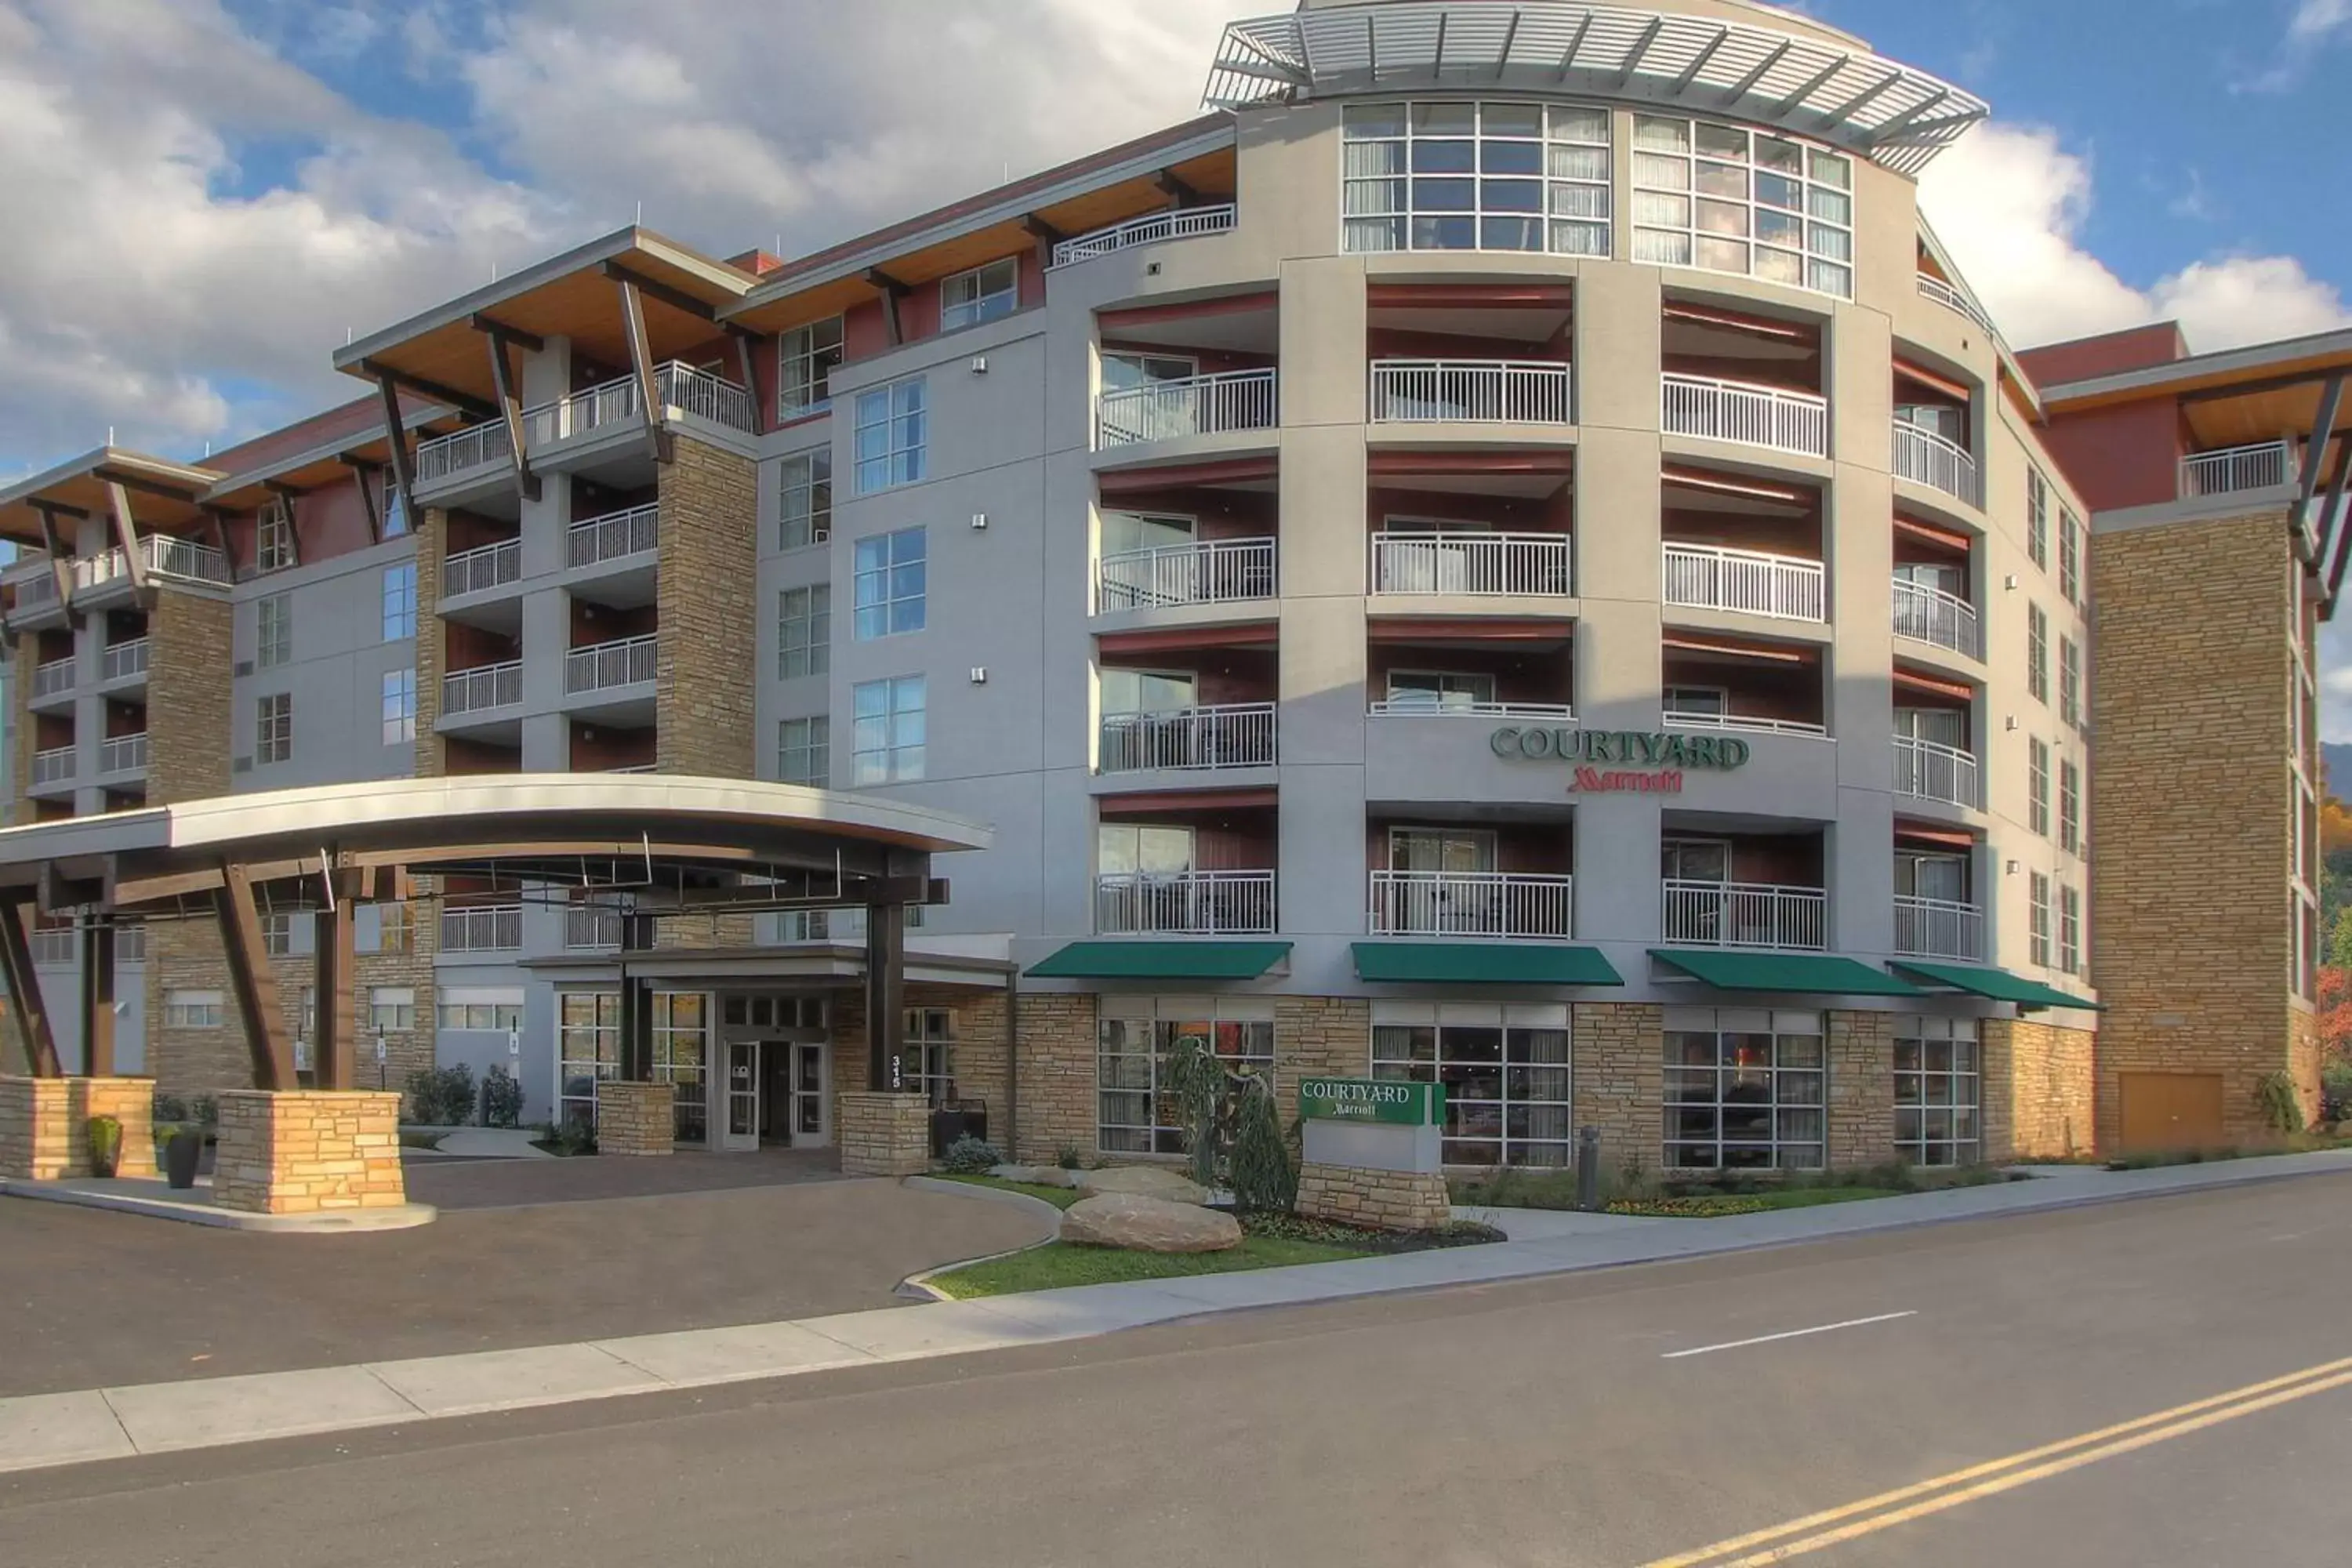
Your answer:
<point x="205" y="1109"/>
<point x="1264" y="1181"/>
<point x="169" y="1107"/>
<point x="1069" y="1158"/>
<point x="105" y="1136"/>
<point x="2282" y="1108"/>
<point x="501" y="1097"/>
<point x="1198" y="1079"/>
<point x="441" y="1097"/>
<point x="2335" y="1092"/>
<point x="970" y="1157"/>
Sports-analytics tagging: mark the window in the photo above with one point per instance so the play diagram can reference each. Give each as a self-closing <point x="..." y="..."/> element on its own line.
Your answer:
<point x="805" y="631"/>
<point x="395" y="515"/>
<point x="1128" y="533"/>
<point x="889" y="582"/>
<point x="1133" y="849"/>
<point x="681" y="1057"/>
<point x="1475" y="176"/>
<point x="1745" y="1089"/>
<point x="1696" y="701"/>
<point x="394" y="930"/>
<point x="278" y="933"/>
<point x="886" y="746"/>
<point x="1731" y="200"/>
<point x="806" y="357"/>
<point x="1506" y="1072"/>
<point x="805" y="752"/>
<point x="273" y="630"/>
<point x="2070" y="930"/>
<point x="399" y="707"/>
<point x="491" y="1009"/>
<point x="2039" y="931"/>
<point x="400" y="602"/>
<point x="2070" y="808"/>
<point x="588" y="1050"/>
<point x="1135" y="1045"/>
<point x="192" y="1009"/>
<point x="2070" y="557"/>
<point x="273" y="727"/>
<point x="2038" y="783"/>
<point x="392" y="1010"/>
<point x="1439" y="692"/>
<point x="2037" y="518"/>
<point x="893" y="433"/>
<point x="273" y="537"/>
<point x="2037" y="653"/>
<point x="805" y="500"/>
<point x="926" y="1061"/>
<point x="982" y="294"/>
<point x="1936" y="1090"/>
<point x="2070" y="683"/>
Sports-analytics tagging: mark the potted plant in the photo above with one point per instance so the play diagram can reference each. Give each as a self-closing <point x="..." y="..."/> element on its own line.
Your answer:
<point x="105" y="1135"/>
<point x="184" y="1146"/>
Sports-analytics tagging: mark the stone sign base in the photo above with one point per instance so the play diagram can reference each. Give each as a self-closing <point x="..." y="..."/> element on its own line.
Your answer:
<point x="1391" y="1200"/>
<point x="45" y="1125"/>
<point x="885" y="1134"/>
<point x="309" y="1151"/>
<point x="635" y="1118"/>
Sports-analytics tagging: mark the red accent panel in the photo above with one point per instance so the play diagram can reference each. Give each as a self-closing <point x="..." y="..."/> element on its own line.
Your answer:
<point x="1522" y="462"/>
<point x="1941" y="837"/>
<point x="1265" y="634"/>
<point x="1442" y="296"/>
<point x="1958" y="392"/>
<point x="2086" y="359"/>
<point x="2125" y="454"/>
<point x="1110" y="321"/>
<point x="1943" y="538"/>
<point x="1188" y="800"/>
<point x="1912" y="680"/>
<point x="1128" y="481"/>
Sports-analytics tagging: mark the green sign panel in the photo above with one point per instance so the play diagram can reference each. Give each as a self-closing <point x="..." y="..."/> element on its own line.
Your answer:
<point x="1627" y="748"/>
<point x="1372" y="1100"/>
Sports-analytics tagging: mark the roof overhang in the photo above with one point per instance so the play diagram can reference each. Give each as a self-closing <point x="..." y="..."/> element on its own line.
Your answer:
<point x="163" y="493"/>
<point x="1823" y="86"/>
<point x="2247" y="371"/>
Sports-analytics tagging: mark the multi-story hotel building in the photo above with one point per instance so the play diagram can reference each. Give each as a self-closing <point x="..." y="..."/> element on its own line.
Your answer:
<point x="1502" y="552"/>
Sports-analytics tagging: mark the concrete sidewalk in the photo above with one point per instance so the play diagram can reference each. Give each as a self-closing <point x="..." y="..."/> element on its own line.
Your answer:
<point x="42" y="1430"/>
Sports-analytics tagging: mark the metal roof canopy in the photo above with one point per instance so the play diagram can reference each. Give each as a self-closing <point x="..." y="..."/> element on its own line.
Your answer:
<point x="1841" y="93"/>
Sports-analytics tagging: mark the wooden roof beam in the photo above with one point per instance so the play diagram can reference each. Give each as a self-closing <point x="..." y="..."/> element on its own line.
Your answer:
<point x="491" y="326"/>
<point x="652" y="289"/>
<point x="464" y="402"/>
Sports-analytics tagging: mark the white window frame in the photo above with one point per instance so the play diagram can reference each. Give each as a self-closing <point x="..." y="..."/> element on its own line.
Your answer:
<point x="1428" y="1042"/>
<point x="478" y="1009"/>
<point x="193" y="1009"/>
<point x="803" y="366"/>
<point x="2070" y="683"/>
<point x="2038" y="919"/>
<point x="926" y="1061"/>
<point x="804" y="631"/>
<point x="392" y="1010"/>
<point x="2070" y="557"/>
<point x="804" y="750"/>
<point x="273" y="729"/>
<point x="400" y="602"/>
<point x="399" y="707"/>
<point x="587" y="1051"/>
<point x="1136" y="1039"/>
<point x="1797" y="1047"/>
<point x="890" y="585"/>
<point x="1450" y="690"/>
<point x="1939" y="1091"/>
<point x="987" y="293"/>
<point x="882" y="749"/>
<point x="2037" y="653"/>
<point x="2037" y="751"/>
<point x="805" y="498"/>
<point x="891" y="442"/>
<point x="1140" y="849"/>
<point x="2070" y="805"/>
<point x="394" y="929"/>
<point x="2037" y="517"/>
<point x="273" y="537"/>
<point x="683" y="1019"/>
<point x="2070" y="928"/>
<point x="1566" y="168"/>
<point x="273" y="630"/>
<point x="1671" y="158"/>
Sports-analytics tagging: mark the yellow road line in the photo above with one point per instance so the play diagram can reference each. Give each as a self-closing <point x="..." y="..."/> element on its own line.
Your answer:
<point x="2175" y="1422"/>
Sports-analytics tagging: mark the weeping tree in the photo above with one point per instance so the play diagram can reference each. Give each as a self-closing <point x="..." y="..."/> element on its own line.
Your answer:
<point x="1265" y="1179"/>
<point x="1198" y="1079"/>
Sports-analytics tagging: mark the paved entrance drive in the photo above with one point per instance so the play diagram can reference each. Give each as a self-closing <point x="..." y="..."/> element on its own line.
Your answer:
<point x="608" y="1247"/>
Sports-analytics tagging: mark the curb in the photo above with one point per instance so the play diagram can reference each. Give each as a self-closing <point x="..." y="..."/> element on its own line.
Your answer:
<point x="918" y="1286"/>
<point x="340" y="1222"/>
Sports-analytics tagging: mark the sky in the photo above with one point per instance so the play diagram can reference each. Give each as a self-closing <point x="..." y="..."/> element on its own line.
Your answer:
<point x="206" y="197"/>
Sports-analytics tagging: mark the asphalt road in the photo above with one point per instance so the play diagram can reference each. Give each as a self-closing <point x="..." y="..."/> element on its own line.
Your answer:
<point x="1563" y="1423"/>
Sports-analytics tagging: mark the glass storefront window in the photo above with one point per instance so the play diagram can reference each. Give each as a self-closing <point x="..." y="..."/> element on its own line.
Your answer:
<point x="1506" y="1072"/>
<point x="682" y="1058"/>
<point x="1136" y="1109"/>
<point x="1745" y="1089"/>
<point x="588" y="1050"/>
<point x="1937" y="1095"/>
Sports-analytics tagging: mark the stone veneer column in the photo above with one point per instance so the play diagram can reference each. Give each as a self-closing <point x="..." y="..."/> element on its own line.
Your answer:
<point x="636" y="1118"/>
<point x="2038" y="1087"/>
<point x="1618" y="1079"/>
<point x="1387" y="1200"/>
<point x="432" y="549"/>
<point x="309" y="1151"/>
<point x="1319" y="1036"/>
<point x="1057" y="1039"/>
<point x="189" y="723"/>
<point x="885" y="1134"/>
<point x="1861" y="1104"/>
<point x="704" y="708"/>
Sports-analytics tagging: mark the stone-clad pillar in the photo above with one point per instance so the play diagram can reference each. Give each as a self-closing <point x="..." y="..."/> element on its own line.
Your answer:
<point x="885" y="1134"/>
<point x="1861" y="1089"/>
<point x="636" y="1118"/>
<point x="309" y="1151"/>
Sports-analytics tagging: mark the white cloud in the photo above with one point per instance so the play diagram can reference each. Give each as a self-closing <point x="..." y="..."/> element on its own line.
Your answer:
<point x="2316" y="19"/>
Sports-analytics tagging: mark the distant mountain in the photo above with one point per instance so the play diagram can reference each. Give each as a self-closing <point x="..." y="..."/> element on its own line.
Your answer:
<point x="2337" y="761"/>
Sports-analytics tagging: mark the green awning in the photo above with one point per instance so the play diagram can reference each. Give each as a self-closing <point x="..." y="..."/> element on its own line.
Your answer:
<point x="1162" y="961"/>
<point x="1809" y="973"/>
<point x="1484" y="963"/>
<point x="1999" y="984"/>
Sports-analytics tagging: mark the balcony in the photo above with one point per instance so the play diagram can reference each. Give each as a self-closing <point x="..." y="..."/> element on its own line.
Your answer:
<point x="628" y="662"/>
<point x="1218" y="404"/>
<point x="1237" y="736"/>
<point x="1925" y="458"/>
<point x="185" y="560"/>
<point x="481" y="689"/>
<point x="481" y="568"/>
<point x="1472" y="563"/>
<point x="55" y="678"/>
<point x="491" y="930"/>
<point x="1184" y="903"/>
<point x="1931" y="616"/>
<point x="1470" y="903"/>
<point x="1747" y="413"/>
<point x="124" y="660"/>
<point x="1710" y="577"/>
<point x="591" y="928"/>
<point x="1737" y="915"/>
<point x="1929" y="770"/>
<point x="603" y="540"/>
<point x="35" y="587"/>
<point x="122" y="754"/>
<point x="1939" y="928"/>
<point x="1435" y="705"/>
<point x="1151" y="229"/>
<point x="1951" y="298"/>
<point x="461" y="451"/>
<point x="56" y="947"/>
<point x="1697" y="719"/>
<point x="52" y="767"/>
<point x="2265" y="466"/>
<point x="1213" y="572"/>
<point x="1518" y="392"/>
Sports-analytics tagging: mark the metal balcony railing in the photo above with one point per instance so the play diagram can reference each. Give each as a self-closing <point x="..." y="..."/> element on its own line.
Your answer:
<point x="1745" y="914"/>
<point x="2267" y="465"/>
<point x="1929" y="770"/>
<point x="1190" y="406"/>
<point x="1445" y="705"/>
<point x="185" y="559"/>
<point x="627" y="662"/>
<point x="130" y="942"/>
<point x="619" y="400"/>
<point x="91" y="573"/>
<point x="1451" y="563"/>
<point x="1470" y="903"/>
<point x="1238" y="735"/>
<point x="53" y="766"/>
<point x="707" y="397"/>
<point x="1214" y="570"/>
<point x="1951" y="298"/>
<point x="35" y="587"/>
<point x="472" y="447"/>
<point x="1184" y="903"/>
<point x="1412" y="391"/>
<point x="1689" y="719"/>
<point x="1939" y="928"/>
<point x="616" y="537"/>
<point x="55" y="947"/>
<point x="1745" y="413"/>
<point x="1931" y="616"/>
<point x="122" y="754"/>
<point x="482" y="568"/>
<point x="1710" y="577"/>
<point x="481" y="689"/>
<point x="1925" y="458"/>
<point x="53" y="678"/>
<point x="1149" y="230"/>
<point x="122" y="660"/>
<point x="591" y="928"/>
<point x="492" y="930"/>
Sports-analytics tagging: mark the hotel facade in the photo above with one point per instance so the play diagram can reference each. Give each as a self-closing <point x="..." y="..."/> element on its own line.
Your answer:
<point x="1504" y="553"/>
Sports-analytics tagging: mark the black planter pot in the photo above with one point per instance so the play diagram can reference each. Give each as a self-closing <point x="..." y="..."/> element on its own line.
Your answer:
<point x="180" y="1152"/>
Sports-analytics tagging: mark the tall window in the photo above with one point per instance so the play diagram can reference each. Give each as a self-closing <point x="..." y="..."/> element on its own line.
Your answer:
<point x="273" y="625"/>
<point x="2038" y="945"/>
<point x="893" y="436"/>
<point x="2070" y="930"/>
<point x="805" y="752"/>
<point x="1476" y="177"/>
<point x="386" y="928"/>
<point x="889" y="581"/>
<point x="1135" y="1045"/>
<point x="273" y="727"/>
<point x="273" y="537"/>
<point x="388" y="507"/>
<point x="1732" y="200"/>
<point x="1936" y="1093"/>
<point x="982" y="294"/>
<point x="399" y="707"/>
<point x="1745" y="1089"/>
<point x="2038" y="783"/>
<point x="588" y="1050"/>
<point x="681" y="1058"/>
<point x="886" y="746"/>
<point x="805" y="631"/>
<point x="400" y="601"/>
<point x="805" y="502"/>
<point x="805" y="358"/>
<point x="2070" y="808"/>
<point x="2037" y="653"/>
<point x="2070" y="683"/>
<point x="926" y="1062"/>
<point x="1506" y="1072"/>
<point x="2037" y="518"/>
<point x="2070" y="557"/>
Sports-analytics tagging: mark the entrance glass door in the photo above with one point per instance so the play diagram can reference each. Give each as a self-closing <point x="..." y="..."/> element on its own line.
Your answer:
<point x="740" y="1121"/>
<point x="809" y="1124"/>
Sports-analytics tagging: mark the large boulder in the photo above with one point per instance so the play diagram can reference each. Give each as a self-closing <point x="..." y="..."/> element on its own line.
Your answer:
<point x="1144" y="1180"/>
<point x="1148" y="1224"/>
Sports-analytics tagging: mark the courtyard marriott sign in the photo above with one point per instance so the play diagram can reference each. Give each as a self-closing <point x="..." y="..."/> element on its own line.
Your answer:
<point x="1652" y="764"/>
<point x="1372" y="1100"/>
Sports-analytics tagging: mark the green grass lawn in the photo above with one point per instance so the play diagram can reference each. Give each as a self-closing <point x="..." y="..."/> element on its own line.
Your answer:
<point x="1057" y="1264"/>
<point x="1060" y="1197"/>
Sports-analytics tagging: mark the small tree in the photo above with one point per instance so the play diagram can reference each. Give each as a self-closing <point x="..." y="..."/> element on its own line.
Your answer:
<point x="1198" y="1079"/>
<point x="2339" y="940"/>
<point x="1264" y="1181"/>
